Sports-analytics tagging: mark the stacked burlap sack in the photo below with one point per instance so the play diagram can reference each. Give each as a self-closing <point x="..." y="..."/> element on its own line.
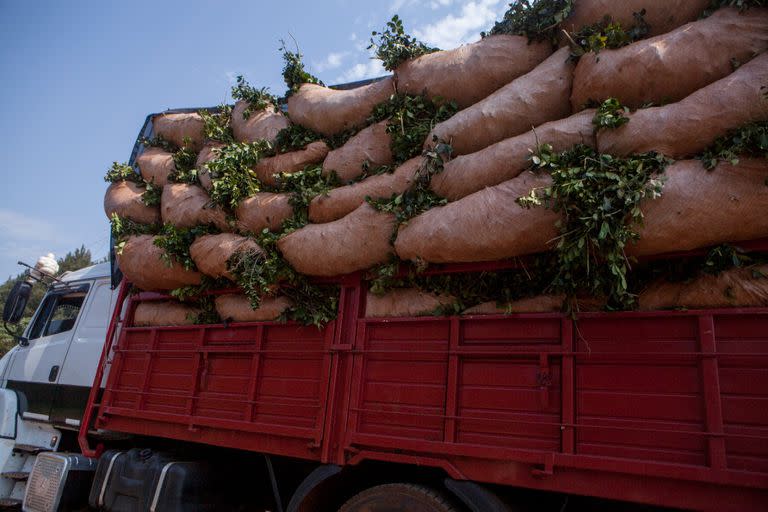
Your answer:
<point x="704" y="77"/>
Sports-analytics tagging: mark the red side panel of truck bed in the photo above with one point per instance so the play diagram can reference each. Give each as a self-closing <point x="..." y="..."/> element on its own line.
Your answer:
<point x="668" y="408"/>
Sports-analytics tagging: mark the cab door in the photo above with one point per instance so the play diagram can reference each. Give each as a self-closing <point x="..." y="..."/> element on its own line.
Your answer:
<point x="36" y="365"/>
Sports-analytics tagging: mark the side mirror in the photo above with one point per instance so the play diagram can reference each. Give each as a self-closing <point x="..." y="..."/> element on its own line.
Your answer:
<point x="16" y="302"/>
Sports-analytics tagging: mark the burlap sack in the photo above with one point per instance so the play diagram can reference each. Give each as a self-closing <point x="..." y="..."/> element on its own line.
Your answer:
<point x="212" y="252"/>
<point x="356" y="242"/>
<point x="237" y="308"/>
<point x="176" y="127"/>
<point x="698" y="208"/>
<point x="124" y="199"/>
<point x="263" y="210"/>
<point x="485" y="226"/>
<point x="343" y="200"/>
<point x="669" y="67"/>
<point x="661" y="15"/>
<point x="471" y="72"/>
<point x="371" y="145"/>
<point x="166" y="313"/>
<point x="206" y="154"/>
<point x="533" y="99"/>
<point x="291" y="162"/>
<point x="741" y="287"/>
<point x="404" y="302"/>
<point x="331" y="111"/>
<point x="689" y="126"/>
<point x="538" y="304"/>
<point x="506" y="159"/>
<point x="156" y="165"/>
<point x="187" y="206"/>
<point x="142" y="264"/>
<point x="261" y="124"/>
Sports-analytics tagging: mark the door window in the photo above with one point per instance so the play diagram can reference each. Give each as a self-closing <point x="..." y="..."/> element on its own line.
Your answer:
<point x="58" y="314"/>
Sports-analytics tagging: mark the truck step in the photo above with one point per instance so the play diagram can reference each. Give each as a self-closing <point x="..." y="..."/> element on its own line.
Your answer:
<point x="16" y="475"/>
<point x="10" y="504"/>
<point x="30" y="449"/>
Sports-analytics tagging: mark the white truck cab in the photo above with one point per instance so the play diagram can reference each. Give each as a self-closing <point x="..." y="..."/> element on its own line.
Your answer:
<point x="46" y="378"/>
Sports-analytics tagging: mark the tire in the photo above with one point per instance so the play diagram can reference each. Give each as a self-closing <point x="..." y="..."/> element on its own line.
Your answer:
<point x="398" y="498"/>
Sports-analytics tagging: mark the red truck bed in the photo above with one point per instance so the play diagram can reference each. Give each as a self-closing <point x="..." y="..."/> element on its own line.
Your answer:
<point x="666" y="408"/>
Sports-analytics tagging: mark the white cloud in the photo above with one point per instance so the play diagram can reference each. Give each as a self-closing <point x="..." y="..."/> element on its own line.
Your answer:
<point x="332" y="61"/>
<point x="396" y="5"/>
<point x="437" y="4"/>
<point x="371" y="69"/>
<point x="455" y="30"/>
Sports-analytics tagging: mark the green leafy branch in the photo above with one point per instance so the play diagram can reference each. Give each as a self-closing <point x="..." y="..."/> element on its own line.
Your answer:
<point x="216" y="125"/>
<point x="175" y="243"/>
<point x="607" y="34"/>
<point x="232" y="173"/>
<point x="393" y="46"/>
<point x="599" y="198"/>
<point x="611" y="114"/>
<point x="748" y="141"/>
<point x="257" y="99"/>
<point x="294" y="73"/>
<point x="122" y="172"/>
<point x="538" y="20"/>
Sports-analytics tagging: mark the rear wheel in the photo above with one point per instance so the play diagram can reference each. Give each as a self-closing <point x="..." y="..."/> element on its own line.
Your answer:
<point x="398" y="498"/>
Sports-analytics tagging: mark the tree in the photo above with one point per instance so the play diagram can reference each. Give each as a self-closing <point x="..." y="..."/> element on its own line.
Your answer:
<point x="74" y="260"/>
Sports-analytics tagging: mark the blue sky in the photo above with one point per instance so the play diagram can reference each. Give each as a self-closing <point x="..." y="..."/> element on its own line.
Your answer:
<point x="77" y="79"/>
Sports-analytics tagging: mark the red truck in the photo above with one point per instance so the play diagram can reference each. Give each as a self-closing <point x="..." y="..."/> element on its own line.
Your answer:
<point x="426" y="414"/>
<point x="666" y="408"/>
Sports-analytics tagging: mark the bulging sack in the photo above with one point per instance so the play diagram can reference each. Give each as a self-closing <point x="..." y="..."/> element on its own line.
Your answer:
<point x="533" y="99"/>
<point x="331" y="111"/>
<point x="262" y="124"/>
<point x="182" y="130"/>
<point x="208" y="153"/>
<point x="263" y="210"/>
<point x="505" y="160"/>
<point x="269" y="167"/>
<point x="237" y="308"/>
<point x="124" y="199"/>
<point x="661" y="15"/>
<point x="356" y="242"/>
<point x="371" y="146"/>
<point x="156" y="165"/>
<point x="143" y="265"/>
<point x="343" y="200"/>
<point x="689" y="126"/>
<point x="404" y="302"/>
<point x="537" y="304"/>
<point x="741" y="287"/>
<point x="187" y="206"/>
<point x="471" y="72"/>
<point x="699" y="208"/>
<point x="211" y="253"/>
<point x="485" y="226"/>
<point x="669" y="67"/>
<point x="166" y="313"/>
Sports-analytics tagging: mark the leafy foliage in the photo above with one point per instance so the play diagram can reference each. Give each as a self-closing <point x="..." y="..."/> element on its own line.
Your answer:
<point x="175" y="243"/>
<point x="411" y="118"/>
<point x="184" y="162"/>
<point x="305" y="185"/>
<point x="599" y="197"/>
<point x="122" y="228"/>
<point x="257" y="99"/>
<point x="741" y="4"/>
<point x="122" y="172"/>
<point x="294" y="73"/>
<point x="538" y="20"/>
<point x="232" y="172"/>
<point x="259" y="274"/>
<point x="158" y="142"/>
<point x="295" y="137"/>
<point x="152" y="194"/>
<point x="419" y="198"/>
<point x="608" y="34"/>
<point x="394" y="46"/>
<point x="216" y="125"/>
<point x="749" y="141"/>
<point x="610" y="115"/>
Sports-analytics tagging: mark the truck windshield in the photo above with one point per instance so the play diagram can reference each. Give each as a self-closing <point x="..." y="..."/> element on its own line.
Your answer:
<point x="57" y="314"/>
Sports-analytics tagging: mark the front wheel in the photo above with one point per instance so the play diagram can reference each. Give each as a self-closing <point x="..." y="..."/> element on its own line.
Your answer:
<point x="398" y="498"/>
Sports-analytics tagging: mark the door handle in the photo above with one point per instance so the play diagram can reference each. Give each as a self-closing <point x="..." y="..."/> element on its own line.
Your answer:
<point x="53" y="374"/>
